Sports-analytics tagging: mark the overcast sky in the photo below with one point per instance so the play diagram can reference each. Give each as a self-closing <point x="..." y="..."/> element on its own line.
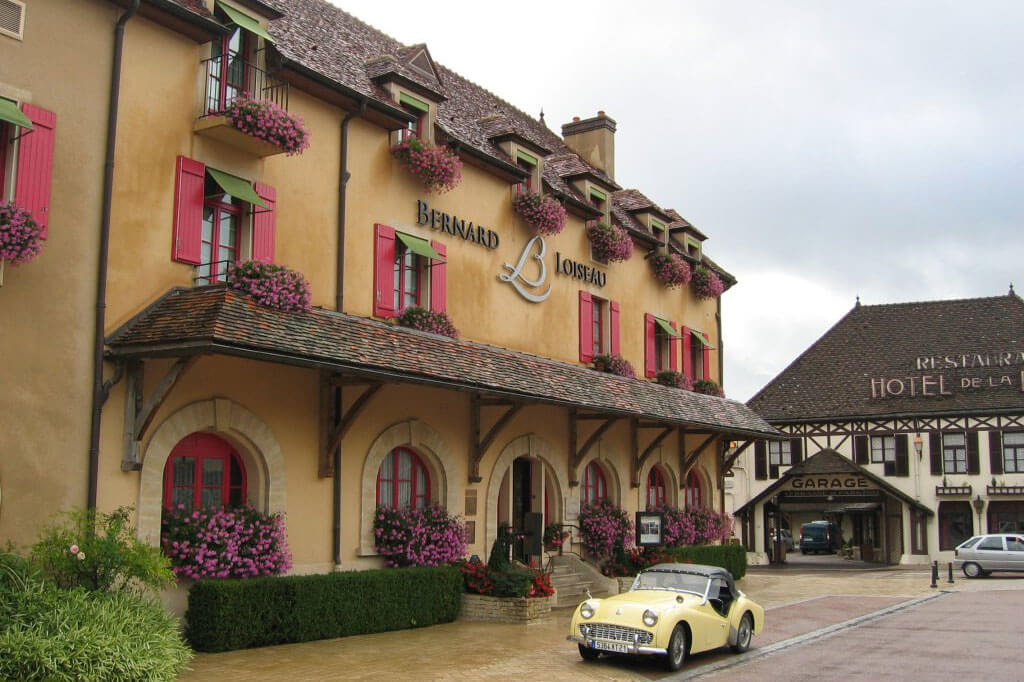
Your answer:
<point x="827" y="149"/>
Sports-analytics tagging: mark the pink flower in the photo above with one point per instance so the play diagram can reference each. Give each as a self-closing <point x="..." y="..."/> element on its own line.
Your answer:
<point x="267" y="121"/>
<point x="671" y="270"/>
<point x="706" y="283"/>
<point x="21" y="238"/>
<point x="544" y="213"/>
<point x="610" y="242"/>
<point x="439" y="169"/>
<point x="73" y="549"/>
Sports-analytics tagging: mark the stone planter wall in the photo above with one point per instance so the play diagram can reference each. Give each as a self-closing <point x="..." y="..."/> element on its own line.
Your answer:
<point x="477" y="607"/>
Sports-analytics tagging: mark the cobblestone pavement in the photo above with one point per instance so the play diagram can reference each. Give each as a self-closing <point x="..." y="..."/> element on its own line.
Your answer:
<point x="797" y="602"/>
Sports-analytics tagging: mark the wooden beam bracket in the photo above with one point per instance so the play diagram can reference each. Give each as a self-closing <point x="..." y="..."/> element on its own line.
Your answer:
<point x="478" y="445"/>
<point x="731" y="459"/>
<point x="577" y="456"/>
<point x="338" y="421"/>
<point x="687" y="461"/>
<point x="139" y="413"/>
<point x="639" y="458"/>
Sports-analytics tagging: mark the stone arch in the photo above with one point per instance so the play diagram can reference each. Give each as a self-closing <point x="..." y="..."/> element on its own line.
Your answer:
<point x="671" y="480"/>
<point x="233" y="421"/>
<point x="528" y="445"/>
<point x="704" y="482"/>
<point x="601" y="454"/>
<point x="446" y="486"/>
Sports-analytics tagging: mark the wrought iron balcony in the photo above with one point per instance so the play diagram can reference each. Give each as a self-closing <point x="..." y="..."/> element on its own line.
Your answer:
<point x="1005" y="490"/>
<point x="953" y="490"/>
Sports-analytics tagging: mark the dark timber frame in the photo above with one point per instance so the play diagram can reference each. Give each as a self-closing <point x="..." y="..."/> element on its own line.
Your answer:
<point x="139" y="413"/>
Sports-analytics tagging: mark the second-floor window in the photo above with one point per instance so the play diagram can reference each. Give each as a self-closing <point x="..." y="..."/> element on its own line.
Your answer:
<point x="883" y="449"/>
<point x="222" y="217"/>
<point x="230" y="61"/>
<point x="660" y="347"/>
<point x="599" y="327"/>
<point x="1013" y="453"/>
<point x="779" y="453"/>
<point x="954" y="453"/>
<point x="412" y="281"/>
<point x="26" y="158"/>
<point x="409" y="271"/>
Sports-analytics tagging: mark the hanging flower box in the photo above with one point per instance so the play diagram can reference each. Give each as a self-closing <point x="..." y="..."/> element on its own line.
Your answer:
<point x="614" y="364"/>
<point x="21" y="238"/>
<point x="259" y="127"/>
<point x="428" y="321"/>
<point x="273" y="286"/>
<point x="545" y="214"/>
<point x="610" y="243"/>
<point x="706" y="283"/>
<point x="670" y="270"/>
<point x="438" y="168"/>
<point x="674" y="379"/>
<point x="708" y="387"/>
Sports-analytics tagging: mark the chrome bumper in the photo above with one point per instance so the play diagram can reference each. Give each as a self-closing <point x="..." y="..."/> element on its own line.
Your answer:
<point x="631" y="649"/>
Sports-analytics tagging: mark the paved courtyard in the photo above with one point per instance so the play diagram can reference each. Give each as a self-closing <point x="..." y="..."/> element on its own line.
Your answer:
<point x="798" y="602"/>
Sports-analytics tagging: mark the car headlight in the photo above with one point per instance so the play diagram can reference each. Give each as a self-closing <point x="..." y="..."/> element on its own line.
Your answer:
<point x="650" y="618"/>
<point x="587" y="610"/>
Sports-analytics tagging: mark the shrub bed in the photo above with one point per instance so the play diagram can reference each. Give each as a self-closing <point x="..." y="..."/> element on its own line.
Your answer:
<point x="732" y="558"/>
<point x="224" y="615"/>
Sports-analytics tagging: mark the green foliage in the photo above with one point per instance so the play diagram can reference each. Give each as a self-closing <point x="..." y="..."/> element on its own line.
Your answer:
<point x="512" y="582"/>
<point x="224" y="615"/>
<point x="100" y="552"/>
<point x="732" y="558"/>
<point x="499" y="561"/>
<point x="47" y="633"/>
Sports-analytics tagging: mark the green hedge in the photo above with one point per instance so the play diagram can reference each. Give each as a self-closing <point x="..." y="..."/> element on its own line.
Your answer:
<point x="732" y="558"/>
<point x="224" y="615"/>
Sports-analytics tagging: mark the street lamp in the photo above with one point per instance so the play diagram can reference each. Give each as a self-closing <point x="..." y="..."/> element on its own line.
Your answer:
<point x="918" y="444"/>
<point x="979" y="506"/>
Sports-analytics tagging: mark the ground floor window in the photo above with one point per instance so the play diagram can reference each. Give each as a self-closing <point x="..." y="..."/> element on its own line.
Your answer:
<point x="403" y="480"/>
<point x="595" y="488"/>
<point x="204" y="470"/>
<point x="693" y="493"/>
<point x="955" y="524"/>
<point x="655" y="488"/>
<point x="1005" y="517"/>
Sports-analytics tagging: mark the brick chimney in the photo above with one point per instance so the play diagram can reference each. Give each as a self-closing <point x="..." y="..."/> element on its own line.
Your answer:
<point x="594" y="140"/>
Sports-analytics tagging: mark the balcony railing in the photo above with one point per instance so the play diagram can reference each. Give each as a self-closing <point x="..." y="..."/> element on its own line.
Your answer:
<point x="214" y="272"/>
<point x="235" y="77"/>
<point x="949" y="490"/>
<point x="1005" y="489"/>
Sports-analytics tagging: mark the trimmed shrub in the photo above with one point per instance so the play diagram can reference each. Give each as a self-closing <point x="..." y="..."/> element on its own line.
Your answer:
<point x="224" y="615"/>
<point x="732" y="558"/>
<point x="47" y="633"/>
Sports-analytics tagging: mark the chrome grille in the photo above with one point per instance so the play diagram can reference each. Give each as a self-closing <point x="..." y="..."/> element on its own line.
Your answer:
<point x="615" y="633"/>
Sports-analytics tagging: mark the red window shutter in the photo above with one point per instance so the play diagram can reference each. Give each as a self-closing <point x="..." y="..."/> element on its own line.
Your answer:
<point x="384" y="272"/>
<point x="439" y="280"/>
<point x="586" y="327"/>
<point x="188" y="210"/>
<point x="707" y="364"/>
<point x="673" y="350"/>
<point x="264" y="224"/>
<point x="650" y="357"/>
<point x="35" y="165"/>
<point x="613" y="326"/>
<point x="687" y="350"/>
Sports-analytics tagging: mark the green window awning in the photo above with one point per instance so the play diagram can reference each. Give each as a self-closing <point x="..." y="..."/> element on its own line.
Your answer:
<point x="702" y="338"/>
<point x="244" y="21"/>
<point x="10" y="112"/>
<point x="419" y="246"/>
<point x="666" y="327"/>
<point x="411" y="101"/>
<point x="528" y="158"/>
<point x="236" y="187"/>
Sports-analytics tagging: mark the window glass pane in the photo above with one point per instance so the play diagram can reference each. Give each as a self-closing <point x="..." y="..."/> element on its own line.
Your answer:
<point x="953" y="439"/>
<point x="1013" y="438"/>
<point x="236" y="472"/>
<point x="235" y="497"/>
<point x="991" y="543"/>
<point x="184" y="471"/>
<point x="404" y="493"/>
<point x="399" y="254"/>
<point x="211" y="497"/>
<point x="182" y="496"/>
<point x="213" y="472"/>
<point x="384" y="490"/>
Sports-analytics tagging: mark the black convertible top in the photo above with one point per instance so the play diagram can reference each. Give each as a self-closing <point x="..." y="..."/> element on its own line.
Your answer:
<point x="697" y="569"/>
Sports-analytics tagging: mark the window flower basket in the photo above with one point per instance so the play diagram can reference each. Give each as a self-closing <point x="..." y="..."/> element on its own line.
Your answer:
<point x="614" y="364"/>
<point x="671" y="270"/>
<point x="544" y="213"/>
<point x="428" y="321"/>
<point x="267" y="121"/>
<point x="674" y="379"/>
<point x="418" y="537"/>
<point x="21" y="238"/>
<point x="708" y="387"/>
<point x="554" y="536"/>
<point x="610" y="243"/>
<point x="273" y="286"/>
<point x="224" y="543"/>
<point x="438" y="168"/>
<point x="605" y="527"/>
<point x="706" y="283"/>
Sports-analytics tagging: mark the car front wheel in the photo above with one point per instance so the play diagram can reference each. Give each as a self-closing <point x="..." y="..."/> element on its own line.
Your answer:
<point x="588" y="654"/>
<point x="744" y="633"/>
<point x="972" y="570"/>
<point x="676" y="649"/>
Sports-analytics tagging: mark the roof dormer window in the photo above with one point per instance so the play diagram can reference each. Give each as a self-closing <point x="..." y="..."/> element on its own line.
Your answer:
<point x="530" y="164"/>
<point x="418" y="128"/>
<point x="658" y="229"/>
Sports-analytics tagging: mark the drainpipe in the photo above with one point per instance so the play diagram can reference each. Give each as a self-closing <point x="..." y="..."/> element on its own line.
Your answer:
<point x="99" y="391"/>
<point x="339" y="305"/>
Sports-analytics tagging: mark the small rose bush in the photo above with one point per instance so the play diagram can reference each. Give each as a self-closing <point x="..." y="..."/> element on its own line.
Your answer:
<point x="610" y="243"/>
<point x="273" y="286"/>
<point x="604" y="527"/>
<point x="693" y="526"/>
<point x="225" y="543"/>
<point x="21" y="238"/>
<point x="428" y="321"/>
<point x="708" y="387"/>
<point x="418" y="537"/>
<point x="438" y="168"/>
<point x="615" y="364"/>
<point x="267" y="121"/>
<point x="671" y="270"/>
<point x="554" y="536"/>
<point x="545" y="214"/>
<point x="674" y="379"/>
<point x="706" y="283"/>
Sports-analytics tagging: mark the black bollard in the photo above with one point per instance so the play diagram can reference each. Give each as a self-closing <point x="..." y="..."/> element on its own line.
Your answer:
<point x="950" y="572"/>
<point x="935" y="574"/>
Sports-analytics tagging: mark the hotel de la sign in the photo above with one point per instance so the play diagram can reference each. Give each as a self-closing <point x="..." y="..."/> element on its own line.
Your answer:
<point x="136" y="377"/>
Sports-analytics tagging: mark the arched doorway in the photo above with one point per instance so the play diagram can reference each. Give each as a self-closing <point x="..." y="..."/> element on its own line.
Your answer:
<point x="527" y="487"/>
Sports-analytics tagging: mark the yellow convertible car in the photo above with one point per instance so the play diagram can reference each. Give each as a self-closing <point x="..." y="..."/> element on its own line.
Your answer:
<point x="672" y="610"/>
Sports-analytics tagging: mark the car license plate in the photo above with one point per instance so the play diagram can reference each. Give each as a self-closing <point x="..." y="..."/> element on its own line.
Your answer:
<point x="609" y="646"/>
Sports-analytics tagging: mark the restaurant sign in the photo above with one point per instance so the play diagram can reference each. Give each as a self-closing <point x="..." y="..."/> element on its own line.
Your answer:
<point x="937" y="376"/>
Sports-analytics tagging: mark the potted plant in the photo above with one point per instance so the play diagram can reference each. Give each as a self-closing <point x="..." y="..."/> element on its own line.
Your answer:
<point x="267" y="121"/>
<point x="544" y="213"/>
<point x="706" y="283"/>
<point x="21" y="238"/>
<point x="614" y="364"/>
<point x="674" y="379"/>
<point x="554" y="536"/>
<point x="273" y="286"/>
<point x="610" y="243"/>
<point x="670" y="270"/>
<point x="438" y="168"/>
<point x="428" y="321"/>
<point x="708" y="387"/>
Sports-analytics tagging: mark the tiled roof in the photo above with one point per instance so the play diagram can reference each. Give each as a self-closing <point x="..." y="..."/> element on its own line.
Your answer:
<point x="634" y="200"/>
<point x="833" y="378"/>
<point x="570" y="165"/>
<point x="220" y="320"/>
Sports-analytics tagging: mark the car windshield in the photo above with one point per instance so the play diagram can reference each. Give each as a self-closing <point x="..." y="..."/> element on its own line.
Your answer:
<point x="666" y="580"/>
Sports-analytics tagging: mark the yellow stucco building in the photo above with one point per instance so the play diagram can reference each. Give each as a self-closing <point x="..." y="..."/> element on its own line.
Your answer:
<point x="204" y="397"/>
